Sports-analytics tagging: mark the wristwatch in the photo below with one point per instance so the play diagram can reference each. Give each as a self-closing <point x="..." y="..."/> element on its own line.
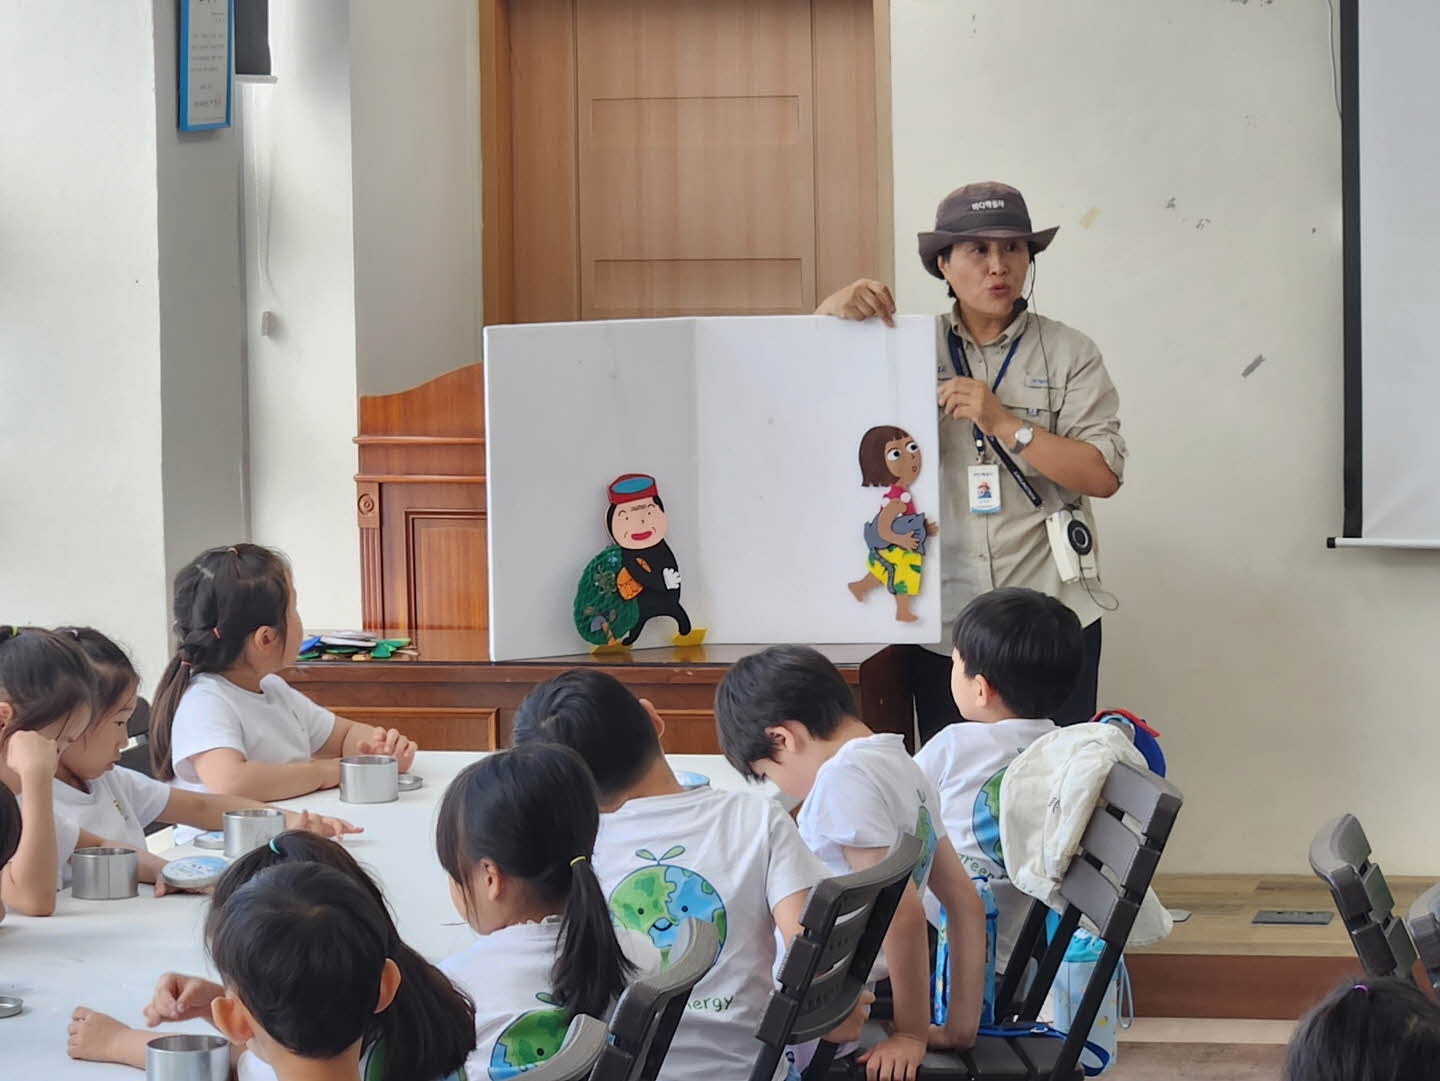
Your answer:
<point x="1023" y="439"/>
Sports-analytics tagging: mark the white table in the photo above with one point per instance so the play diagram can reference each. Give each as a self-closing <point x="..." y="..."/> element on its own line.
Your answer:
<point x="108" y="954"/>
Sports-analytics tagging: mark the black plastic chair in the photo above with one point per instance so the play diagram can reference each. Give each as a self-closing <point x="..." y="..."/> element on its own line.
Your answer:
<point x="137" y="755"/>
<point x="1106" y="883"/>
<point x="650" y="1009"/>
<point x="827" y="966"/>
<point x="1340" y="856"/>
<point x="584" y="1042"/>
<point x="1424" y="924"/>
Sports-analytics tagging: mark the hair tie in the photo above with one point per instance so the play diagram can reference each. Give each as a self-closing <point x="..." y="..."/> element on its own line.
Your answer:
<point x="1361" y="987"/>
<point x="577" y="859"/>
<point x="272" y="844"/>
<point x="184" y="663"/>
<point x="233" y="550"/>
<point x="215" y="631"/>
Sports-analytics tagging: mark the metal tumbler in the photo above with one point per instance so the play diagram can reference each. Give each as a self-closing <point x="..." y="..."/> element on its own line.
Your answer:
<point x="104" y="874"/>
<point x="369" y="778"/>
<point x="250" y="828"/>
<point x="187" y="1058"/>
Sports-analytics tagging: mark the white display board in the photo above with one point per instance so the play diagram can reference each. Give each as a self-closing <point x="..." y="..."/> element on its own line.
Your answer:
<point x="751" y="427"/>
<point x="1392" y="369"/>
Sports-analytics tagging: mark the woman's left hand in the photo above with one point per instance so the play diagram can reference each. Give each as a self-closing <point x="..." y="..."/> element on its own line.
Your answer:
<point x="972" y="400"/>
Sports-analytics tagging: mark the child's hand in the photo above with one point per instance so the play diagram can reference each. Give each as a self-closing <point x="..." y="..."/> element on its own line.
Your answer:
<point x="391" y="743"/>
<point x="848" y="1030"/>
<point x="32" y="756"/>
<point x="896" y="1058"/>
<point x="180" y="998"/>
<point x="944" y="1038"/>
<point x="151" y="870"/>
<point x="320" y="824"/>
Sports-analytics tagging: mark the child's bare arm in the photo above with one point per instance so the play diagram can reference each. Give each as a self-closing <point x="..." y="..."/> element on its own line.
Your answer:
<point x="907" y="954"/>
<point x="27" y="883"/>
<point x="965" y="927"/>
<point x="206" y="810"/>
<point x="228" y="772"/>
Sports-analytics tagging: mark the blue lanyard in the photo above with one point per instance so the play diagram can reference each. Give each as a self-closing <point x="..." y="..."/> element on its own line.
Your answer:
<point x="958" y="365"/>
<point x="961" y="368"/>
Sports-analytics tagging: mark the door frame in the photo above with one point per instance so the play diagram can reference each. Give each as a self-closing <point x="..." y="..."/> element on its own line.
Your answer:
<point x="497" y="158"/>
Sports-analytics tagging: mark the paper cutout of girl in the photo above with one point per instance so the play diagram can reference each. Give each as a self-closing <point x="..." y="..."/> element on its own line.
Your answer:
<point x="890" y="458"/>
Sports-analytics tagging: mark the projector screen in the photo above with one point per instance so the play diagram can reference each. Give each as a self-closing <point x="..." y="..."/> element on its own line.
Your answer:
<point x="1391" y="147"/>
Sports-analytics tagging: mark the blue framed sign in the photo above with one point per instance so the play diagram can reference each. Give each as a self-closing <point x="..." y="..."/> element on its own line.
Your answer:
<point x="207" y="63"/>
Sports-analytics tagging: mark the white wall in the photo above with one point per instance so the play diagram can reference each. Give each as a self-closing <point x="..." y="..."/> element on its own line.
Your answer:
<point x="363" y="224"/>
<point x="81" y="517"/>
<point x="300" y="267"/>
<point x="1191" y="155"/>
<point x="415" y="100"/>
<point x="201" y="322"/>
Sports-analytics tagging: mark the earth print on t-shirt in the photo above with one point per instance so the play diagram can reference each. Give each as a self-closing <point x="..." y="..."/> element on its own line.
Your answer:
<point x="528" y="1041"/>
<point x="925" y="832"/>
<point x="656" y="900"/>
<point x="986" y="822"/>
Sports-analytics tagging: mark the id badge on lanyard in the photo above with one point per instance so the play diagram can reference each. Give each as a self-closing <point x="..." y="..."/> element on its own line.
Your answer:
<point x="984" y="483"/>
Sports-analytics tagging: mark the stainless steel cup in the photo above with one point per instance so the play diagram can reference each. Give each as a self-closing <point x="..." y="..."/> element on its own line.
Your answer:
<point x="369" y="778"/>
<point x="187" y="1058"/>
<point x="250" y="828"/>
<point x="104" y="874"/>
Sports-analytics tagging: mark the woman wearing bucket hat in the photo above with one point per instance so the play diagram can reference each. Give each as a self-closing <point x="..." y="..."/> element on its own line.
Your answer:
<point x="1026" y="401"/>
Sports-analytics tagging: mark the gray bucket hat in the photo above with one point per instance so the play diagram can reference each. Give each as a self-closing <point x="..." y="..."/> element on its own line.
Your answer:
<point x="984" y="211"/>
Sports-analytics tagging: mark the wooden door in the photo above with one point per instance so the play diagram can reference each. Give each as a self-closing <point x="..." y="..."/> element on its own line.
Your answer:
<point x="674" y="157"/>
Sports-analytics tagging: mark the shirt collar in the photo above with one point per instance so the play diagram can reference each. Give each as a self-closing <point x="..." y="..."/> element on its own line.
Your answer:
<point x="1016" y="327"/>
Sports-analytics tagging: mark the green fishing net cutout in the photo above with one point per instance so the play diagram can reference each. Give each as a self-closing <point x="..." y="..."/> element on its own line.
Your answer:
<point x="602" y="616"/>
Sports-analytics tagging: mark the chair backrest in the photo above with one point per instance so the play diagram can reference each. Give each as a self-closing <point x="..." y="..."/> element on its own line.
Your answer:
<point x="650" y="1009"/>
<point x="1424" y="923"/>
<point x="137" y="755"/>
<point x="576" y="1057"/>
<point x="828" y="964"/>
<point x="1106" y="882"/>
<point x="1340" y="856"/>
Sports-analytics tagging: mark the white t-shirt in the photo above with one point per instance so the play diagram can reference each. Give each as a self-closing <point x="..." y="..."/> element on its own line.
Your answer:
<point x="866" y="796"/>
<point x="727" y="857"/>
<point x="966" y="762"/>
<point x="507" y="974"/>
<point x="117" y="807"/>
<point x="277" y="725"/>
<point x="250" y="1067"/>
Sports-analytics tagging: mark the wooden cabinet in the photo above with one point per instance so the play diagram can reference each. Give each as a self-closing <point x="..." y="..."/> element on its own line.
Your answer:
<point x="421" y="509"/>
<point x="460" y="706"/>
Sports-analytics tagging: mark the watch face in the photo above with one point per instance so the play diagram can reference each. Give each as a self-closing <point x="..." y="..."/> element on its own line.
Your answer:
<point x="1024" y="435"/>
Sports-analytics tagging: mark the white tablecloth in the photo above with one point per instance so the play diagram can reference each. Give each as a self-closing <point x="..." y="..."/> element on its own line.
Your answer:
<point x="108" y="954"/>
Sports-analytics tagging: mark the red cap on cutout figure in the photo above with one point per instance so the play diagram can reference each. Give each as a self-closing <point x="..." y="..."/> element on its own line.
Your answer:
<point x="633" y="486"/>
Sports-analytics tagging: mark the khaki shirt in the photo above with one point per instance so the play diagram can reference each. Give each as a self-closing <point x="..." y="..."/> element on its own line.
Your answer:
<point x="1063" y="388"/>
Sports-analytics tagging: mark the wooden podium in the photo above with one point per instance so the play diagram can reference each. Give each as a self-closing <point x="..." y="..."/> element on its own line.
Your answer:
<point x="421" y="510"/>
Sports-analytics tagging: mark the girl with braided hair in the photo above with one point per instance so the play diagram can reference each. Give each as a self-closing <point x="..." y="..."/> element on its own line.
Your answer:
<point x="223" y="720"/>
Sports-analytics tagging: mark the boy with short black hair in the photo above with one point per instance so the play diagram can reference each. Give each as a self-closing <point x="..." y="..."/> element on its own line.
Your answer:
<point x="786" y="715"/>
<point x="665" y="853"/>
<point x="1017" y="655"/>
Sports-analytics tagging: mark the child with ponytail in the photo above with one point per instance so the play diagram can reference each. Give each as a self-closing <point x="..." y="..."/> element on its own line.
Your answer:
<point x="223" y="720"/>
<point x="426" y="1033"/>
<point x="515" y="834"/>
<point x="93" y="796"/>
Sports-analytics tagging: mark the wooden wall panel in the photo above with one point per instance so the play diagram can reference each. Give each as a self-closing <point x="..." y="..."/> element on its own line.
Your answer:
<point x="846" y="146"/>
<point x="695" y="147"/>
<point x="546" y="223"/>
<point x="663" y="157"/>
